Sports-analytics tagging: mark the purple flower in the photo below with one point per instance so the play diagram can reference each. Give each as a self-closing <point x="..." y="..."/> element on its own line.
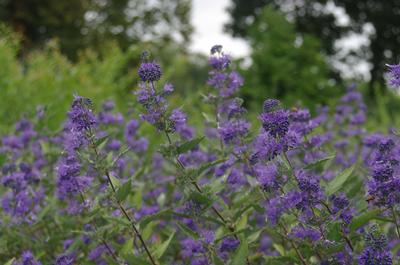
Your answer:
<point x="81" y="115"/>
<point x="96" y="253"/>
<point x="191" y="248"/>
<point x="267" y="176"/>
<point x="341" y="205"/>
<point x="305" y="233"/>
<point x="216" y="49"/>
<point x="64" y="259"/>
<point x="177" y="119"/>
<point x="382" y="171"/>
<point x="219" y="61"/>
<point x="394" y="75"/>
<point x="168" y="88"/>
<point x="275" y="123"/>
<point x="233" y="130"/>
<point x="270" y="105"/>
<point x="229" y="244"/>
<point x="375" y="251"/>
<point x="108" y="105"/>
<point x="208" y="236"/>
<point x="69" y="182"/>
<point x="236" y="177"/>
<point x="150" y="71"/>
<point x="27" y="258"/>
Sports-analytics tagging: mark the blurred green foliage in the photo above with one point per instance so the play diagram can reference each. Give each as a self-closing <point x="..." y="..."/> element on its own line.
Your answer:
<point x="333" y="20"/>
<point x="79" y="24"/>
<point x="47" y="78"/>
<point x="286" y="65"/>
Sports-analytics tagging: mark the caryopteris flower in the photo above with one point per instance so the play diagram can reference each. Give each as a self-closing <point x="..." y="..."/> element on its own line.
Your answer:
<point x="394" y="75"/>
<point x="375" y="251"/>
<point x="81" y="115"/>
<point x="276" y="123"/>
<point x="149" y="72"/>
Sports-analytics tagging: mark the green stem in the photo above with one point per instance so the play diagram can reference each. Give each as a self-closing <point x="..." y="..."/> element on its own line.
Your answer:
<point x="396" y="222"/>
<point x="121" y="207"/>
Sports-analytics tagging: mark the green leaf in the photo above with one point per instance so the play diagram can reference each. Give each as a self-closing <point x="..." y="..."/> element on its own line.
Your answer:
<point x="136" y="198"/>
<point x="45" y="210"/>
<point x="127" y="247"/>
<point x="281" y="260"/>
<point x="279" y="248"/>
<point x="206" y="166"/>
<point x="361" y="220"/>
<point x="135" y="260"/>
<point x="320" y="162"/>
<point x="3" y="159"/>
<point x="335" y="248"/>
<point x="160" y="215"/>
<point x="334" y="231"/>
<point x="163" y="247"/>
<point x="242" y="222"/>
<point x="120" y="154"/>
<point x="216" y="260"/>
<point x="241" y="253"/>
<point x="209" y="118"/>
<point x="101" y="141"/>
<point x="337" y="183"/>
<point x="10" y="262"/>
<point x="254" y="236"/>
<point x="189" y="145"/>
<point x="148" y="230"/>
<point x="115" y="181"/>
<point x="189" y="232"/>
<point x="201" y="198"/>
<point x="123" y="191"/>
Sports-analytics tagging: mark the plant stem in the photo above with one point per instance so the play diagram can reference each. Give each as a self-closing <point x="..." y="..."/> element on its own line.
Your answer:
<point x="396" y="222"/>
<point x="121" y="207"/>
<point x="109" y="249"/>
<point x="199" y="189"/>
<point x="296" y="249"/>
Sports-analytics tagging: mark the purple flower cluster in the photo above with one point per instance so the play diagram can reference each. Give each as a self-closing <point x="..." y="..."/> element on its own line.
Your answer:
<point x="150" y="72"/>
<point x="384" y="186"/>
<point x="300" y="190"/>
<point x="155" y="104"/>
<point x="375" y="251"/>
<point x="27" y="258"/>
<point x="394" y="75"/>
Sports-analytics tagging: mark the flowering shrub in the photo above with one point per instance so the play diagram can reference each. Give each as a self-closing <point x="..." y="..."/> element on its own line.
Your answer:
<point x="298" y="190"/>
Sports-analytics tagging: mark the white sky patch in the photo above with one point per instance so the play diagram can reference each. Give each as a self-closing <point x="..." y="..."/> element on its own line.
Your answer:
<point x="208" y="19"/>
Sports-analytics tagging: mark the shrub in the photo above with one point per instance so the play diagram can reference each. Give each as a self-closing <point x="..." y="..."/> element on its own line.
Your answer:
<point x="299" y="190"/>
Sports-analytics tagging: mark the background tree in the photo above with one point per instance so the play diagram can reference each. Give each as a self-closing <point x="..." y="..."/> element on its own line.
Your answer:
<point x="286" y="65"/>
<point x="316" y="17"/>
<point x="89" y="23"/>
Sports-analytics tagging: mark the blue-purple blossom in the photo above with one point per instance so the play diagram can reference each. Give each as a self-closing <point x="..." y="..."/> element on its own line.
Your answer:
<point x="270" y="105"/>
<point x="229" y="244"/>
<point x="275" y="123"/>
<point x="305" y="233"/>
<point x="81" y="115"/>
<point x="149" y="71"/>
<point x="394" y="75"/>
<point x="375" y="251"/>
<point x="231" y="131"/>
<point x="64" y="259"/>
<point x="27" y="258"/>
<point x="267" y="176"/>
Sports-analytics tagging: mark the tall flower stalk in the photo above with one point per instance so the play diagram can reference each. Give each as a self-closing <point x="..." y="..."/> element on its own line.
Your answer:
<point x="83" y="122"/>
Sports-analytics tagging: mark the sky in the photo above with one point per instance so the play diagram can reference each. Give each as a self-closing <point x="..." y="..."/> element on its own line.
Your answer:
<point x="209" y="16"/>
<point x="208" y="19"/>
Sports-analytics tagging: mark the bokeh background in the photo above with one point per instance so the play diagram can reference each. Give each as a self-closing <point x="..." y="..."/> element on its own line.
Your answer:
<point x="303" y="52"/>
